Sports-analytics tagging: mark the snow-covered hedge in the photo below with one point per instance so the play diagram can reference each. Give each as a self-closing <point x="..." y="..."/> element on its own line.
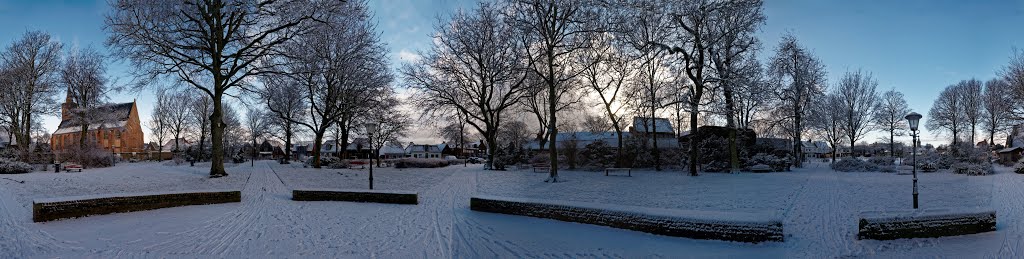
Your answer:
<point x="925" y="223"/>
<point x="375" y="196"/>
<point x="776" y="163"/>
<point x="882" y="161"/>
<point x="81" y="206"/>
<point x="972" y="169"/>
<point x="421" y="163"/>
<point x="1019" y="167"/>
<point x="10" y="166"/>
<point x="729" y="226"/>
<point x="854" y="165"/>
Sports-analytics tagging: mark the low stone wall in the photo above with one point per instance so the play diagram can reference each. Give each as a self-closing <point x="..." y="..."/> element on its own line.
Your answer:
<point x="375" y="196"/>
<point x="925" y="223"/>
<point x="82" y="206"/>
<point x="742" y="227"/>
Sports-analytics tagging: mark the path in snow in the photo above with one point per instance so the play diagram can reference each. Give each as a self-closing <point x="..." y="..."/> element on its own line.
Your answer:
<point x="17" y="236"/>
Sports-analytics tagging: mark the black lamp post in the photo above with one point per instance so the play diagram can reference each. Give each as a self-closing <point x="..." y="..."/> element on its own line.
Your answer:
<point x="370" y="129"/>
<point x="913" y="118"/>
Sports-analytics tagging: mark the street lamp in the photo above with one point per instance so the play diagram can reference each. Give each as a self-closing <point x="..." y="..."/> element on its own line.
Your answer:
<point x="913" y="118"/>
<point x="370" y="129"/>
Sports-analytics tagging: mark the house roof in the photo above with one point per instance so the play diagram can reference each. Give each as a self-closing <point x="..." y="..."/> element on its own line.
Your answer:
<point x="661" y="125"/>
<point x="119" y="114"/>
<point x="422" y="148"/>
<point x="584" y="138"/>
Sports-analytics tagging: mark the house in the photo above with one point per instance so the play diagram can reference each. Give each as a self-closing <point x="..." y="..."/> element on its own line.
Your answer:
<point x="270" y="149"/>
<point x="121" y="133"/>
<point x="582" y="139"/>
<point x="816" y="149"/>
<point x="661" y="127"/>
<point x="392" y="151"/>
<point x="422" y="151"/>
<point x="180" y="145"/>
<point x="1009" y="156"/>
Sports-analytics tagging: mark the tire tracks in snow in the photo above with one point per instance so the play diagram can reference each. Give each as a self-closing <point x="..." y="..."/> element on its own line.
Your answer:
<point x="1010" y="191"/>
<point x="16" y="239"/>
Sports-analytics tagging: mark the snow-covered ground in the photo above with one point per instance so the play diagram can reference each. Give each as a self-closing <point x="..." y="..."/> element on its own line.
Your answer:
<point x="818" y="208"/>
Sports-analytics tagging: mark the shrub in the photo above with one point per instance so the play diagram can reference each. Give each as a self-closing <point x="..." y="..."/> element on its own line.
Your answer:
<point x="973" y="169"/>
<point x="777" y="164"/>
<point x="1019" y="167"/>
<point x="10" y="166"/>
<point x="597" y="155"/>
<point x="421" y="163"/>
<point x="882" y="160"/>
<point x="854" y="165"/>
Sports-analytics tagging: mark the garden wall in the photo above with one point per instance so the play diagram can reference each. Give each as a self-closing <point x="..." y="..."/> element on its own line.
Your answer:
<point x="742" y="227"/>
<point x="81" y="206"/>
<point x="925" y="223"/>
<point x="376" y="196"/>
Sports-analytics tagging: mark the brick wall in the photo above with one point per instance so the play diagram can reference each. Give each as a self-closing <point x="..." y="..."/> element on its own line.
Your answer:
<point x="356" y="196"/>
<point x="753" y="232"/>
<point x="54" y="210"/>
<point x="953" y="224"/>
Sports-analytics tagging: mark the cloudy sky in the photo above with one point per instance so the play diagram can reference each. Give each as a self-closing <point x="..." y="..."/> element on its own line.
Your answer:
<point x="915" y="46"/>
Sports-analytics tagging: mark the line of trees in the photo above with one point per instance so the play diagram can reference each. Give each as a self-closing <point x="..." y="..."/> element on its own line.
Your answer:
<point x="973" y="106"/>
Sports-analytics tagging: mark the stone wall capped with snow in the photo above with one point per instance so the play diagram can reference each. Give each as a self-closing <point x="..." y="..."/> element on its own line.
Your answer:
<point x="82" y="206"/>
<point x="395" y="197"/>
<point x="729" y="226"/>
<point x="925" y="223"/>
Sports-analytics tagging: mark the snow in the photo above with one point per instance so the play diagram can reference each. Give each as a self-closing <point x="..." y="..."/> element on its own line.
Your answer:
<point x="120" y="195"/>
<point x="689" y="215"/>
<point x="355" y="190"/>
<point x="819" y="209"/>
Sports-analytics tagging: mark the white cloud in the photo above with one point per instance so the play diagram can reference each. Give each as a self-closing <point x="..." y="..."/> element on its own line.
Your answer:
<point x="409" y="56"/>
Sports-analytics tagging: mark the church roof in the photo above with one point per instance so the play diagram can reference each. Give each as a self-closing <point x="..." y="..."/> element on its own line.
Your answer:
<point x="119" y="114"/>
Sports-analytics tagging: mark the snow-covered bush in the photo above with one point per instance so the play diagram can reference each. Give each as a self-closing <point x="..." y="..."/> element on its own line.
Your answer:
<point x="778" y="164"/>
<point x="597" y="155"/>
<point x="972" y="169"/>
<point x="716" y="166"/>
<point x="854" y="165"/>
<point x="10" y="166"/>
<point x="421" y="163"/>
<point x="326" y="161"/>
<point x="882" y="160"/>
<point x="1019" y="167"/>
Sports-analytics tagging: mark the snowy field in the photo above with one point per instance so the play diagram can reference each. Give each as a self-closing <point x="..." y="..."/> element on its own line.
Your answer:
<point x="819" y="209"/>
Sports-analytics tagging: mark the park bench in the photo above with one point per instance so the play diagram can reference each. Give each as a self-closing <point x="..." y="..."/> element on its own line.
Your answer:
<point x="73" y="167"/>
<point x="761" y="168"/>
<point x="541" y="167"/>
<point x="629" y="171"/>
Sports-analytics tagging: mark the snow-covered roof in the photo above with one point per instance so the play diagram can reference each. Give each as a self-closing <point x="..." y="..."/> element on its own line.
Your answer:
<point x="118" y="115"/>
<point x="169" y="145"/>
<point x="585" y="138"/>
<point x="392" y="149"/>
<point x="661" y="125"/>
<point x="416" y="148"/>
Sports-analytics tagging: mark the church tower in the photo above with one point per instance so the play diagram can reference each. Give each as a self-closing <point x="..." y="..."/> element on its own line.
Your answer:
<point x="65" y="108"/>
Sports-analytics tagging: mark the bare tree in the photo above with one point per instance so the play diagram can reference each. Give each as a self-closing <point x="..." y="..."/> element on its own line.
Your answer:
<point x="608" y="79"/>
<point x="178" y="113"/>
<point x="83" y="75"/>
<point x="801" y="77"/>
<point x="889" y="116"/>
<point x="212" y="45"/>
<point x="946" y="113"/>
<point x="554" y="32"/>
<point x="973" y="100"/>
<point x="856" y="92"/>
<point x="339" y="62"/>
<point x="284" y="99"/>
<point x="733" y="56"/>
<point x="160" y="122"/>
<point x="256" y="124"/>
<point x="474" y="69"/>
<point x="31" y="64"/>
<point x="1013" y="75"/>
<point x="996" y="108"/>
<point x="392" y="123"/>
<point x="199" y="109"/>
<point x="827" y="117"/>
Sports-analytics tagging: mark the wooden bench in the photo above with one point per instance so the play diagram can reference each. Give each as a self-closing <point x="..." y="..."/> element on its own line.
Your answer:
<point x="73" y="167"/>
<point x="541" y="167"/>
<point x="629" y="171"/>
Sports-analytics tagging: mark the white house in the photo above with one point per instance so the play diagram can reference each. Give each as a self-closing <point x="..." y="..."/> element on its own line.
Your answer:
<point x="422" y="151"/>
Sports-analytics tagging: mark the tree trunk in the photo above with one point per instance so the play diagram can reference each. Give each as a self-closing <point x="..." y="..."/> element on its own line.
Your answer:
<point x="492" y="147"/>
<point x="892" y="143"/>
<point x="317" y="139"/>
<point x="654" y="136"/>
<point x="730" y="121"/>
<point x="217" y="139"/>
<point x="694" y="153"/>
<point x="287" y="142"/>
<point x="553" y="121"/>
<point x="797" y="152"/>
<point x="618" y="148"/>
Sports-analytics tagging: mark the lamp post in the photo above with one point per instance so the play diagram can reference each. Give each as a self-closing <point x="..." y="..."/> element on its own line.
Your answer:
<point x="913" y="118"/>
<point x="370" y="129"/>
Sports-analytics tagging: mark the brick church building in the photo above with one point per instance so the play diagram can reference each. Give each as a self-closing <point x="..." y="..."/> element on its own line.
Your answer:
<point x="121" y="133"/>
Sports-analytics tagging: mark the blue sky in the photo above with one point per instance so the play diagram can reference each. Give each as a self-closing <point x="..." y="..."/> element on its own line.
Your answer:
<point x="915" y="46"/>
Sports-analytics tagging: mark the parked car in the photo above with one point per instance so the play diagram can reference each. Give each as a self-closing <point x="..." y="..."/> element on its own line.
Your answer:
<point x="451" y="158"/>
